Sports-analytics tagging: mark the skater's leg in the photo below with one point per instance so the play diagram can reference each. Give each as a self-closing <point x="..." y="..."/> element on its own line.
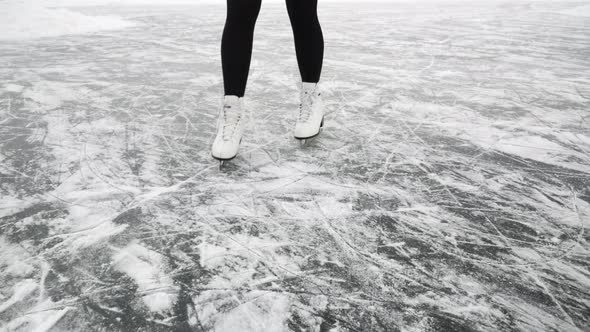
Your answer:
<point x="236" y="44"/>
<point x="236" y="52"/>
<point x="309" y="41"/>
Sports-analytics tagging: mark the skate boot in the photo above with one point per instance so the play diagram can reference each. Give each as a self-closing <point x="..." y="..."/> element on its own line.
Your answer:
<point x="311" y="113"/>
<point x="230" y="128"/>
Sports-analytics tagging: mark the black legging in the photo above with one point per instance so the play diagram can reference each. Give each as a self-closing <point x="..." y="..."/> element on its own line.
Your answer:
<point x="236" y="43"/>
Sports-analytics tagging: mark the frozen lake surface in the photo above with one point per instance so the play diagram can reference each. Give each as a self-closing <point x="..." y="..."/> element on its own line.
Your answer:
<point x="449" y="191"/>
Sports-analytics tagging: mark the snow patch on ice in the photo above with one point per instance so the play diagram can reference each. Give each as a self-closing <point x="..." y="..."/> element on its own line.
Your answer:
<point x="583" y="11"/>
<point x="525" y="140"/>
<point x="264" y="312"/>
<point x="9" y="87"/>
<point x="11" y="260"/>
<point x="211" y="255"/>
<point x="534" y="148"/>
<point x="41" y="318"/>
<point x="26" y="20"/>
<point x="49" y="95"/>
<point x="21" y="291"/>
<point x="10" y="205"/>
<point x="147" y="268"/>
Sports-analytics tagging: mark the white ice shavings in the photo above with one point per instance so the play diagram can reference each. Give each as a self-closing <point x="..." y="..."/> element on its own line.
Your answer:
<point x="20" y="291"/>
<point x="147" y="268"/>
<point x="259" y="311"/>
<point x="10" y="205"/>
<point x="48" y="95"/>
<point x="239" y="249"/>
<point x="41" y="318"/>
<point x="11" y="260"/>
<point x="42" y="315"/>
<point x="530" y="143"/>
<point x="87" y="194"/>
<point x="211" y="255"/>
<point x="538" y="148"/>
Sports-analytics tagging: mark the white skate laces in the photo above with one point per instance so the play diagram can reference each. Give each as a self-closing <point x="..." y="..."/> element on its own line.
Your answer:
<point x="231" y="121"/>
<point x="305" y="107"/>
<point x="230" y="128"/>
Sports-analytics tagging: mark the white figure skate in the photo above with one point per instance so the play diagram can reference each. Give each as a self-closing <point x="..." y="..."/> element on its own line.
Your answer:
<point x="311" y="113"/>
<point x="230" y="128"/>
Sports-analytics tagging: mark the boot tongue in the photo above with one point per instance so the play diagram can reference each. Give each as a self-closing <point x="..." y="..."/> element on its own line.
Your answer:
<point x="308" y="88"/>
<point x="231" y="115"/>
<point x="232" y="101"/>
<point x="308" y="91"/>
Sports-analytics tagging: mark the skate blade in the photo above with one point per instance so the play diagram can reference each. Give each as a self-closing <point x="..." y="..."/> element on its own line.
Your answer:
<point x="329" y="326"/>
<point x="224" y="162"/>
<point x="304" y="140"/>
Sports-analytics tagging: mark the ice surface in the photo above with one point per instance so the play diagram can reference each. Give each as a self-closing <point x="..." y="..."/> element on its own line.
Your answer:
<point x="449" y="190"/>
<point x="577" y="11"/>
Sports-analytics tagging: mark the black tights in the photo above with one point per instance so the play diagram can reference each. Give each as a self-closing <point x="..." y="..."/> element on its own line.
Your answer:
<point x="236" y="43"/>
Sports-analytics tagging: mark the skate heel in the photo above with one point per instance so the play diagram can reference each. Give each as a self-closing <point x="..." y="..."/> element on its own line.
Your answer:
<point x="223" y="161"/>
